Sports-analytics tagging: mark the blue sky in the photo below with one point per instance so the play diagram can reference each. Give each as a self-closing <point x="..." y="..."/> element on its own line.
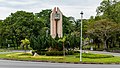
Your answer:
<point x="68" y="7"/>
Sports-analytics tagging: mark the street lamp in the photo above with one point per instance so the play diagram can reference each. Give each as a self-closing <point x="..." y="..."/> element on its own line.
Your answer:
<point x="81" y="37"/>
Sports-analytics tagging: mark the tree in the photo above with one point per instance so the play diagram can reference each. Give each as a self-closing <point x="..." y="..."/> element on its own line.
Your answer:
<point x="44" y="16"/>
<point x="105" y="6"/>
<point x="103" y="29"/>
<point x="63" y="41"/>
<point x="25" y="43"/>
<point x="1" y="34"/>
<point x="20" y="25"/>
<point x="68" y="26"/>
<point x="109" y="9"/>
<point x="17" y="26"/>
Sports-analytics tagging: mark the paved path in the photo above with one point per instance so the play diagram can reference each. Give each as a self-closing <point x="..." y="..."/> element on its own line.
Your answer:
<point x="4" y="52"/>
<point x="10" y="51"/>
<point x="103" y="52"/>
<point x="25" y="64"/>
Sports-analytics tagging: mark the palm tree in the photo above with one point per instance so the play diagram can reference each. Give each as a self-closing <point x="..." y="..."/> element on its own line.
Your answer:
<point x="63" y="41"/>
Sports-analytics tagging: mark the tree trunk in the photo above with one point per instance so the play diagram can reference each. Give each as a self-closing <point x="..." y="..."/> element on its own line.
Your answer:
<point x="114" y="42"/>
<point x="98" y="45"/>
<point x="16" y="43"/>
<point x="105" y="46"/>
<point x="63" y="49"/>
<point x="119" y="44"/>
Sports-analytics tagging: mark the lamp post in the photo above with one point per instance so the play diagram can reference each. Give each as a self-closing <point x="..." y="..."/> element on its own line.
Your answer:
<point x="81" y="37"/>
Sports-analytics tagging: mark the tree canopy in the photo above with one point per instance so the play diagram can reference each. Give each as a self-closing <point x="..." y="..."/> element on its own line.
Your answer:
<point x="104" y="29"/>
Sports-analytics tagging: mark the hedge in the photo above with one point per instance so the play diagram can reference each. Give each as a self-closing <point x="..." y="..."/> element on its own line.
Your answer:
<point x="95" y="56"/>
<point x="59" y="53"/>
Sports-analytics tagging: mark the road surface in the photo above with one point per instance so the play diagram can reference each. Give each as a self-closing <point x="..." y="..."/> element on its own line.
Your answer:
<point x="103" y="52"/>
<point x="26" y="64"/>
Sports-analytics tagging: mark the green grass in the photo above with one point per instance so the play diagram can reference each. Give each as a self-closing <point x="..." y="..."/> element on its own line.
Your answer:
<point x="70" y="58"/>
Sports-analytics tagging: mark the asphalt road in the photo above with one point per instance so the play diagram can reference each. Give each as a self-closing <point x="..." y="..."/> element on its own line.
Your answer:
<point x="103" y="52"/>
<point x="26" y="64"/>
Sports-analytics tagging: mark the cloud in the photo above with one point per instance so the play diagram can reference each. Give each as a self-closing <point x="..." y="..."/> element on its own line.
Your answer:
<point x="68" y="7"/>
<point x="32" y="3"/>
<point x="5" y="12"/>
<point x="75" y="12"/>
<point x="17" y="3"/>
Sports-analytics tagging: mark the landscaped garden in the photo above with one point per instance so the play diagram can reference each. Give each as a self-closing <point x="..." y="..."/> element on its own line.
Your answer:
<point x="87" y="58"/>
<point x="27" y="30"/>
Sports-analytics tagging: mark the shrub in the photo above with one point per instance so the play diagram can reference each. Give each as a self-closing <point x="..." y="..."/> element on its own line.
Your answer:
<point x="76" y="51"/>
<point x="42" y="52"/>
<point x="69" y="53"/>
<point x="52" y="53"/>
<point x="59" y="53"/>
<point x="95" y="56"/>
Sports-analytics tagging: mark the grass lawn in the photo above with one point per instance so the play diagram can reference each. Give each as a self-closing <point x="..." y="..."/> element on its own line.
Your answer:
<point x="87" y="58"/>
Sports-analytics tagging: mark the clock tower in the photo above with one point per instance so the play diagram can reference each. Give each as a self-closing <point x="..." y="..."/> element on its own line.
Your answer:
<point x="56" y="23"/>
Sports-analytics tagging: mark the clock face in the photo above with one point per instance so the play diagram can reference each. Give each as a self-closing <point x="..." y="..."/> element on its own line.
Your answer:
<point x="57" y="16"/>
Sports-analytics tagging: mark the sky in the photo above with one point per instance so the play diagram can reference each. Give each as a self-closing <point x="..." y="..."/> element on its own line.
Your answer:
<point x="67" y="7"/>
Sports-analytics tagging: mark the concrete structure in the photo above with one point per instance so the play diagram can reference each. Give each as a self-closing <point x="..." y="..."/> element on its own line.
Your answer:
<point x="56" y="23"/>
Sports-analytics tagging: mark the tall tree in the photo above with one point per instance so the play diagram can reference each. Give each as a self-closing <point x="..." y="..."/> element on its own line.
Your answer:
<point x="103" y="29"/>
<point x="63" y="43"/>
<point x="44" y="16"/>
<point x="109" y="9"/>
<point x="20" y="25"/>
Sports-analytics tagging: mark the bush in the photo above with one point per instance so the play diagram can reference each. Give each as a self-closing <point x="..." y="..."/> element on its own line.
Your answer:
<point x="58" y="53"/>
<point x="41" y="52"/>
<point x="69" y="53"/>
<point x="38" y="52"/>
<point x="76" y="51"/>
<point x="52" y="53"/>
<point x="95" y="56"/>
